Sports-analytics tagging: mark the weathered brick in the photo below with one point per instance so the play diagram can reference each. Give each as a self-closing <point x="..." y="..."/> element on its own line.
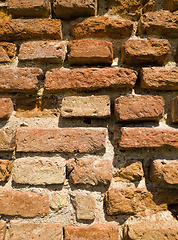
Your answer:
<point x="139" y="107"/>
<point x="139" y="52"/>
<point x="131" y="201"/>
<point x="95" y="231"/>
<point x="6" y="142"/>
<point x="90" y="52"/>
<point x="80" y="79"/>
<point x="39" y="171"/>
<point x="84" y="205"/>
<point x="18" y="29"/>
<point x="6" y="107"/>
<point x="7" y="52"/>
<point x="159" y="78"/>
<point x="171" y="5"/>
<point x="151" y="229"/>
<point x="89" y="171"/>
<point x="132" y="9"/>
<point x="5" y="169"/>
<point x="32" y="230"/>
<point x="146" y="137"/>
<point x="71" y="9"/>
<point x="101" y="27"/>
<point x="50" y="51"/>
<point x="174" y="110"/>
<point x="162" y="22"/>
<point x="20" y="79"/>
<point x="24" y="204"/>
<point x="2" y="229"/>
<point x="59" y="200"/>
<point x="164" y="171"/>
<point x="30" y="8"/>
<point x="90" y="106"/>
<point x="69" y="140"/>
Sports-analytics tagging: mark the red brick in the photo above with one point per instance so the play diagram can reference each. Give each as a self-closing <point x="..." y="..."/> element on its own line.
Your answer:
<point x="174" y="110"/>
<point x="7" y="51"/>
<point x="6" y="107"/>
<point x="71" y="9"/>
<point x="20" y="79"/>
<point x="50" y="51"/>
<point x="146" y="137"/>
<point x="90" y="52"/>
<point x="129" y="201"/>
<point x="159" y="78"/>
<point x="24" y="204"/>
<point x="157" y="228"/>
<point x="6" y="142"/>
<point x="171" y="5"/>
<point x="2" y="229"/>
<point x="163" y="23"/>
<point x="19" y="29"/>
<point x="138" y="52"/>
<point x="30" y="230"/>
<point x="5" y="169"/>
<point x="164" y="171"/>
<point x="139" y="107"/>
<point x="89" y="106"/>
<point x="95" y="231"/>
<point x="101" y="27"/>
<point x="30" y="8"/>
<point x="89" y="171"/>
<point x="80" y="79"/>
<point x="69" y="140"/>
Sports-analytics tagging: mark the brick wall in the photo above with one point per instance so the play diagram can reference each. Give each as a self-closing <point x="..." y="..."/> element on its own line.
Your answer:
<point x="88" y="119"/>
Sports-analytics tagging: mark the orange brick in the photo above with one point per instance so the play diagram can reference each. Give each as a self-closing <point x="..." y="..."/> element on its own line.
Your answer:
<point x="6" y="107"/>
<point x="171" y="5"/>
<point x="7" y="51"/>
<point x="5" y="169"/>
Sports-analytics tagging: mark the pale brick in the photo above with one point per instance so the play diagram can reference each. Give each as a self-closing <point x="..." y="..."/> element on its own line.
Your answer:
<point x="77" y="8"/>
<point x="95" y="231"/>
<point x="80" y="79"/>
<point x="164" y="171"/>
<point x="151" y="229"/>
<point x="19" y="29"/>
<point x="59" y="200"/>
<point x="159" y="78"/>
<point x="2" y="229"/>
<point x="29" y="8"/>
<point x="90" y="52"/>
<point x="6" y="107"/>
<point x="131" y="201"/>
<point x="147" y="137"/>
<point x="162" y="22"/>
<point x="139" y="107"/>
<point x="39" y="171"/>
<point x="20" y="79"/>
<point x="30" y="230"/>
<point x="50" y="51"/>
<point x="7" y="52"/>
<point x="24" y="204"/>
<point x="140" y="52"/>
<point x="90" y="106"/>
<point x="171" y="5"/>
<point x="6" y="142"/>
<point x="84" y="205"/>
<point x="5" y="169"/>
<point x="101" y="27"/>
<point x="174" y="110"/>
<point x="89" y="171"/>
<point x="68" y="140"/>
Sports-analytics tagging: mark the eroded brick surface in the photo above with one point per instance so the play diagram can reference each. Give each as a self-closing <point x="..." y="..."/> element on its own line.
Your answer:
<point x="90" y="52"/>
<point x="101" y="26"/>
<point x="25" y="204"/>
<point x="6" y="141"/>
<point x="71" y="9"/>
<point x="140" y="52"/>
<point x="91" y="106"/>
<point x="139" y="107"/>
<point x="2" y="229"/>
<point x="89" y="79"/>
<point x="7" y="52"/>
<point x="5" y="169"/>
<point x="68" y="140"/>
<point x="95" y="231"/>
<point x="174" y="110"/>
<point x="6" y="107"/>
<point x="30" y="230"/>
